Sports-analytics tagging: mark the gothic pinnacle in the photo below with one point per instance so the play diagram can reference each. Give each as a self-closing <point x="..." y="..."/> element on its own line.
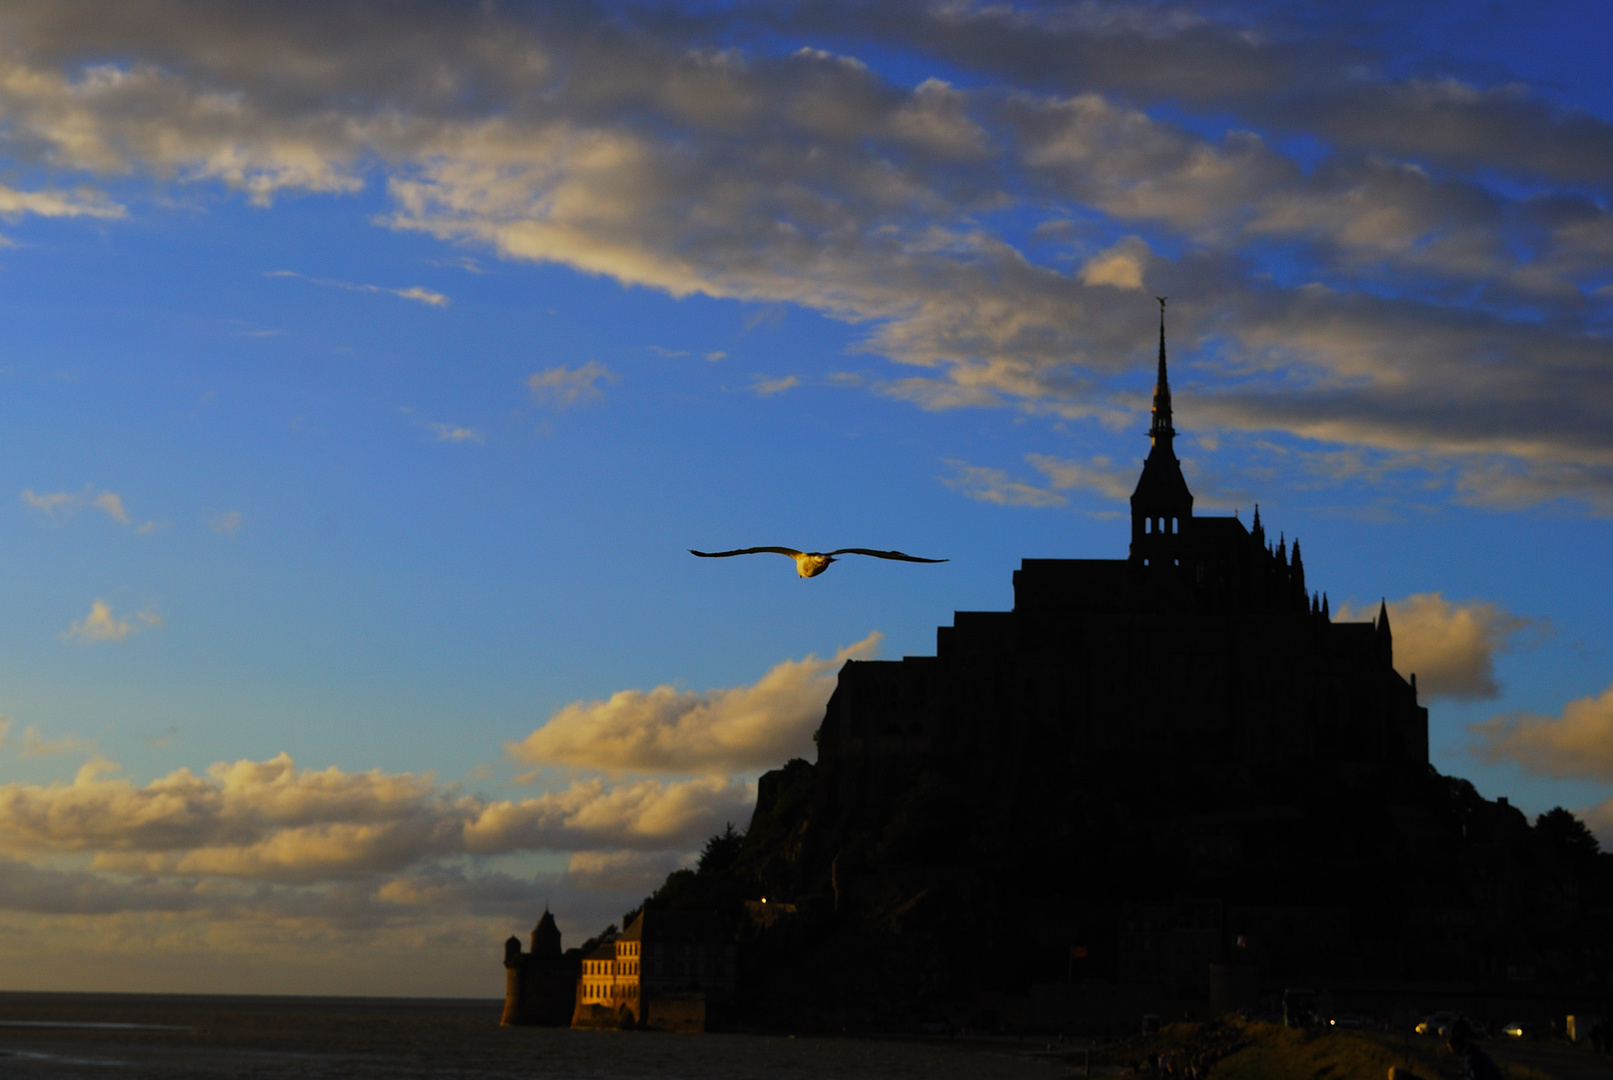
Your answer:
<point x="1161" y="427"/>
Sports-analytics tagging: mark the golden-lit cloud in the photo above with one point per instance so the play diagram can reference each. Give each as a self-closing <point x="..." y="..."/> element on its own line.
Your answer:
<point x="1576" y="745"/>
<point x="1451" y="647"/>
<point x="561" y="388"/>
<point x="686" y="731"/>
<point x="1120" y="267"/>
<point x="649" y="815"/>
<point x="270" y="820"/>
<point x="996" y="486"/>
<point x="101" y="624"/>
<point x="238" y="802"/>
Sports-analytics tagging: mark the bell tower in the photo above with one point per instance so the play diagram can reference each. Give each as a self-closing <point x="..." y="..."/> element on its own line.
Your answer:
<point x="1161" y="507"/>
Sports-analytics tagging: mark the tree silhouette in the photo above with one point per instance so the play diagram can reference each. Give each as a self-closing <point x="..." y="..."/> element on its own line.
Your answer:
<point x="1566" y="835"/>
<point x="721" y="850"/>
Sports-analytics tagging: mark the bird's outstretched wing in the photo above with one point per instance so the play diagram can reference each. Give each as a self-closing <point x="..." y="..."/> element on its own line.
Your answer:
<point x="883" y="554"/>
<point x="791" y="552"/>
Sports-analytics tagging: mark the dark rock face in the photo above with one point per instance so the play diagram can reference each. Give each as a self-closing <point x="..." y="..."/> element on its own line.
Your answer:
<point x="1159" y="773"/>
<point x="1126" y="773"/>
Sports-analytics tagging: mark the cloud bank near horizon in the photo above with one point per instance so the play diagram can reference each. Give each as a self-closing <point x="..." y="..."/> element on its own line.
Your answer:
<point x="343" y="856"/>
<point x="1391" y="297"/>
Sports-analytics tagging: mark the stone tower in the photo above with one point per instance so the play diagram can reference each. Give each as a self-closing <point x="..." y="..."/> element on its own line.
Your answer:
<point x="539" y="986"/>
<point x="546" y="938"/>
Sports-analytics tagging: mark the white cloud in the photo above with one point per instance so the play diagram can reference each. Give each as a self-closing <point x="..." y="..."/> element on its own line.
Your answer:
<point x="36" y="745"/>
<point x="227" y="523"/>
<point x="85" y="202"/>
<point x="61" y="504"/>
<point x="1450" y="646"/>
<point x="111" y="505"/>
<point x="414" y="292"/>
<point x="560" y="388"/>
<point x="807" y="179"/>
<point x="454" y="433"/>
<point x="640" y="872"/>
<point x="24" y="887"/>
<point x="102" y="625"/>
<point x="769" y="387"/>
<point x="995" y="486"/>
<point x="684" y="731"/>
<point x="1100" y="475"/>
<point x="48" y="504"/>
<point x="1576" y="745"/>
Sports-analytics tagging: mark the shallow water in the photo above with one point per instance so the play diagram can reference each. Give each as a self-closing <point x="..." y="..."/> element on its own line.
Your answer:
<point x="269" y="1038"/>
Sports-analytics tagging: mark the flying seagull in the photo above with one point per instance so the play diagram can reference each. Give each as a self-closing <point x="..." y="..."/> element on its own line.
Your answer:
<point x="812" y="563"/>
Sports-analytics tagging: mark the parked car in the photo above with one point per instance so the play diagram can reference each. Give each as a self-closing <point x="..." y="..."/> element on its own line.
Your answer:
<point x="1522" y="1029"/>
<point x="1437" y="1024"/>
<point x="1349" y="1021"/>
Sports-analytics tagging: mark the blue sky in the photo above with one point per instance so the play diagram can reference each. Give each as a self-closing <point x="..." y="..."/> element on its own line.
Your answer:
<point x="367" y="374"/>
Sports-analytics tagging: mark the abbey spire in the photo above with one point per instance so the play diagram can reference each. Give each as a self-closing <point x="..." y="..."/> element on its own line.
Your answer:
<point x="1161" y="427"/>
<point x="1162" y="506"/>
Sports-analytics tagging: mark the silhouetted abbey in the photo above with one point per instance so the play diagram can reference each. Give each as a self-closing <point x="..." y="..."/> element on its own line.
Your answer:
<point x="1168" y="781"/>
<point x="1201" y="659"/>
